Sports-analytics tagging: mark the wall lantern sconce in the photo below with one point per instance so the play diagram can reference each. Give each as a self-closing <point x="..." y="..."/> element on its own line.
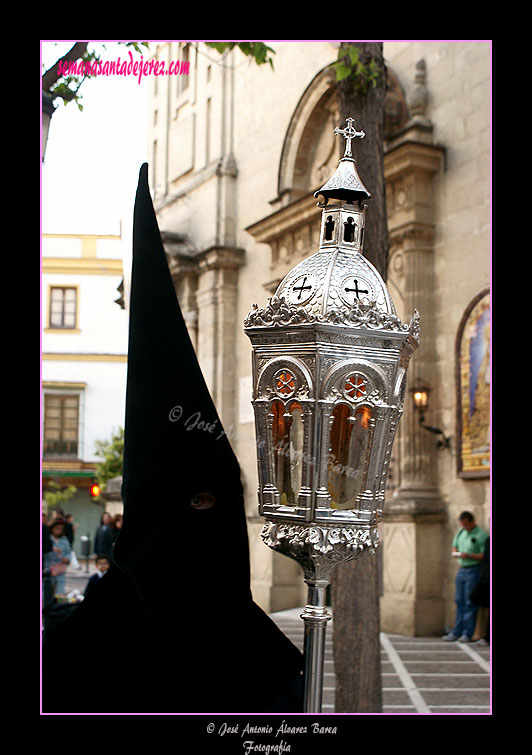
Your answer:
<point x="330" y="357"/>
<point x="420" y="393"/>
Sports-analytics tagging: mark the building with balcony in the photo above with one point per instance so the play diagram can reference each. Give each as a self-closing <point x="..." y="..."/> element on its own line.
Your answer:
<point x="84" y="362"/>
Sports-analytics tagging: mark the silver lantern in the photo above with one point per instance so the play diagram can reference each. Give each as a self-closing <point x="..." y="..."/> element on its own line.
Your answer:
<point x="330" y="357"/>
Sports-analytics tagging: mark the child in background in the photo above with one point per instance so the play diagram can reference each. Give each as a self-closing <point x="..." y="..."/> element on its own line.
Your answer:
<point x="102" y="564"/>
<point x="58" y="558"/>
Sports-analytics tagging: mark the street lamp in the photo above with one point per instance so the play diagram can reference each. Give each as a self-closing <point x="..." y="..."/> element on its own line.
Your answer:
<point x="329" y="360"/>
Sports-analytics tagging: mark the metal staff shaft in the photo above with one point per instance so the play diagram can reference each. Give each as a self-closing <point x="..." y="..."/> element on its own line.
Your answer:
<point x="315" y="617"/>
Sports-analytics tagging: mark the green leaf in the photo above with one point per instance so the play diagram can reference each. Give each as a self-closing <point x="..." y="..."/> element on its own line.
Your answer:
<point x="112" y="453"/>
<point x="136" y="45"/>
<point x="256" y="50"/>
<point x="221" y="47"/>
<point x="353" y="55"/>
<point x="342" y="72"/>
<point x="261" y="51"/>
<point x="55" y="495"/>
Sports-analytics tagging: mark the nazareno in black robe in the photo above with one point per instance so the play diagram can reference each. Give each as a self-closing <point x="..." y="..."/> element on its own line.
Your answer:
<point x="172" y="627"/>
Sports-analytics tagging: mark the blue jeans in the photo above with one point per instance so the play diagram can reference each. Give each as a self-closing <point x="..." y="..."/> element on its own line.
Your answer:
<point x="59" y="584"/>
<point x="466" y="611"/>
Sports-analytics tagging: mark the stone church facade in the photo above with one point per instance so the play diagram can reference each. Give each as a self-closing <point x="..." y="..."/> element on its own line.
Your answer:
<point x="236" y="152"/>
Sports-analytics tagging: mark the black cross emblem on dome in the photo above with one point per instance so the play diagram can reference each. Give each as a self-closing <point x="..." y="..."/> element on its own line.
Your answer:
<point x="356" y="290"/>
<point x="302" y="287"/>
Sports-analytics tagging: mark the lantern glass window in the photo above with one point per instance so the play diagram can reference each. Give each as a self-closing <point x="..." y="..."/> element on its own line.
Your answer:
<point x="350" y="442"/>
<point x="287" y="429"/>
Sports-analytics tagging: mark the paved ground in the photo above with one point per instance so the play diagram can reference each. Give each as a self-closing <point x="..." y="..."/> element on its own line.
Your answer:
<point x="419" y="674"/>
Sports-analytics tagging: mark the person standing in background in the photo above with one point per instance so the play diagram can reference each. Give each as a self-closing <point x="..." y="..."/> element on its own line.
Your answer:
<point x="57" y="559"/>
<point x="117" y="526"/>
<point x="468" y="548"/>
<point x="481" y="594"/>
<point x="70" y="532"/>
<point x="103" y="539"/>
<point x="102" y="565"/>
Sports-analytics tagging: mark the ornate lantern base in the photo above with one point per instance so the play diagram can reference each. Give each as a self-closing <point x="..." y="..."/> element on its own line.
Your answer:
<point x="318" y="550"/>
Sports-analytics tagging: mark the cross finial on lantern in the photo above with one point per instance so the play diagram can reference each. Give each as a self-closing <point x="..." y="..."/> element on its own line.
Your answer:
<point x="349" y="133"/>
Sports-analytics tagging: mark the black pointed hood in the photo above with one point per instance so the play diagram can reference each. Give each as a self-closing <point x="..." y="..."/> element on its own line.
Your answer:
<point x="179" y="467"/>
<point x="176" y="602"/>
<point x="173" y="436"/>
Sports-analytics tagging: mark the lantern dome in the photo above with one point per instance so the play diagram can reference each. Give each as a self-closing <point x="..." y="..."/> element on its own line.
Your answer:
<point x="338" y="278"/>
<point x="338" y="281"/>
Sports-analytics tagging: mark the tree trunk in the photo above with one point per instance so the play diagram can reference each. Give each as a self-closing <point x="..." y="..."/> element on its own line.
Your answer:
<point x="50" y="76"/>
<point x="355" y="585"/>
<point x="367" y="109"/>
<point x="356" y="640"/>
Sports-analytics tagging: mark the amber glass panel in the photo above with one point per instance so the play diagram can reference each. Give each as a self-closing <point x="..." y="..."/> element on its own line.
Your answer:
<point x="348" y="448"/>
<point x="287" y="431"/>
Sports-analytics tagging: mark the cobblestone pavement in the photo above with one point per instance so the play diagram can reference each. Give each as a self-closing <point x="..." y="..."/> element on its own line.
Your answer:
<point x="419" y="674"/>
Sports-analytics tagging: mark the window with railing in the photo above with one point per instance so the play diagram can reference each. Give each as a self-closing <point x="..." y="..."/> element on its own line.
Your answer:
<point x="61" y="425"/>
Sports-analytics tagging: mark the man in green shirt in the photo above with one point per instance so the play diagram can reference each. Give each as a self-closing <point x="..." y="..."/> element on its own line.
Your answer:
<point x="468" y="548"/>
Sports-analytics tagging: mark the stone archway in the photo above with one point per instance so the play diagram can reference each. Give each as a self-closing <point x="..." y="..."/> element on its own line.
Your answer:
<point x="309" y="145"/>
<point x="310" y="152"/>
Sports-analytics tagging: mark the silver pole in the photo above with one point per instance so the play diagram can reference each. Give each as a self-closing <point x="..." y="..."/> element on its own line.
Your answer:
<point x="315" y="617"/>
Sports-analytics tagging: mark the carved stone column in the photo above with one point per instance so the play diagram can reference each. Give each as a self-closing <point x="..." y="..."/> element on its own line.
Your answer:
<point x="183" y="267"/>
<point x="413" y="530"/>
<point x="216" y="298"/>
<point x="206" y="286"/>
